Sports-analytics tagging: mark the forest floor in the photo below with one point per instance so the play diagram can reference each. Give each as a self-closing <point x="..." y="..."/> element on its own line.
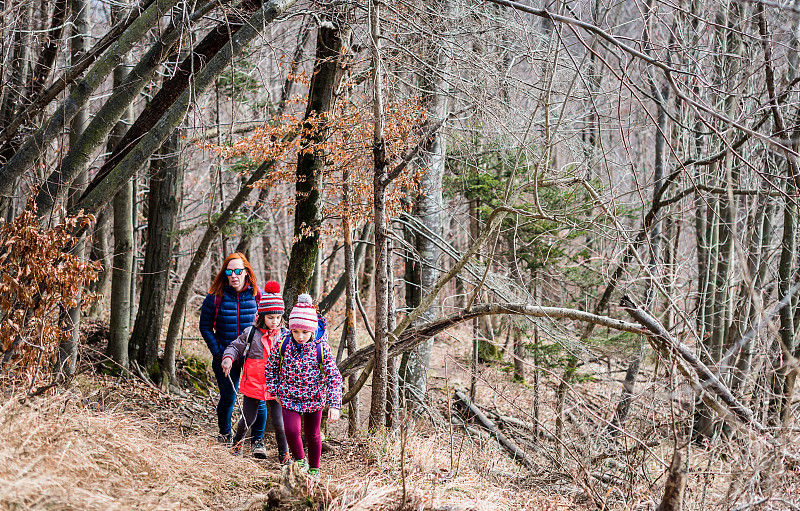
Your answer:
<point x="115" y="442"/>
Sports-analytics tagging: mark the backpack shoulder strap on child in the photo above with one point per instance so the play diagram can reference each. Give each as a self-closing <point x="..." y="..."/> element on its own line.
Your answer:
<point x="250" y="336"/>
<point x="285" y="344"/>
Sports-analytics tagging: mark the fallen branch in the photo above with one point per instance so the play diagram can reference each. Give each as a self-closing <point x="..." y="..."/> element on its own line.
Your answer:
<point x="410" y="339"/>
<point x="703" y="378"/>
<point x="516" y="453"/>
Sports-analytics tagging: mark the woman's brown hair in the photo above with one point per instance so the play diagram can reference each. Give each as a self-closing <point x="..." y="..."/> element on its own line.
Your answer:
<point x="221" y="279"/>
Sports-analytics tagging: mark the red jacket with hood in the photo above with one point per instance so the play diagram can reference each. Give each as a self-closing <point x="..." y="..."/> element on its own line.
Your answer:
<point x="252" y="383"/>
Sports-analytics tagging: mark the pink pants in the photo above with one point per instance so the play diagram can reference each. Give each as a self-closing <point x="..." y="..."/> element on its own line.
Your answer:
<point x="311" y="427"/>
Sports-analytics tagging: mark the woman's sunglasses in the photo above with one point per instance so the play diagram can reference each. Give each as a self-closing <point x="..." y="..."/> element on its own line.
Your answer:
<point x="237" y="271"/>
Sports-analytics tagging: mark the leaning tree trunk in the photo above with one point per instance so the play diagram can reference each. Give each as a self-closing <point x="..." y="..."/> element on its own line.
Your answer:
<point x="97" y="196"/>
<point x="32" y="148"/>
<point x="124" y="94"/>
<point x="164" y="200"/>
<point x="327" y="76"/>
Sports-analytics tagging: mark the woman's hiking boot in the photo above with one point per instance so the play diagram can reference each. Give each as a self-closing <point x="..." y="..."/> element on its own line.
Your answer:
<point x="224" y="439"/>
<point x="259" y="451"/>
<point x="313" y="472"/>
<point x="302" y="464"/>
<point x="285" y="458"/>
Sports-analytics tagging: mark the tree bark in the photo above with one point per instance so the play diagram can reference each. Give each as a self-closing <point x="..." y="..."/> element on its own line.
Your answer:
<point x="327" y="76"/>
<point x="96" y="198"/>
<point x="377" y="413"/>
<point x="353" y="412"/>
<point x="101" y="252"/>
<point x="121" y="276"/>
<point x="675" y="485"/>
<point x="79" y="97"/>
<point x="68" y="351"/>
<point x="164" y="201"/>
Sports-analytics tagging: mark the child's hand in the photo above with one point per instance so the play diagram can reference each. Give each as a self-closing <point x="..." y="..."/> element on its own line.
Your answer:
<point x="333" y="414"/>
<point x="227" y="363"/>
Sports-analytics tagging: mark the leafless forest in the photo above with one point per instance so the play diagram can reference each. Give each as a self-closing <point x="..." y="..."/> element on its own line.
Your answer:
<point x="598" y="201"/>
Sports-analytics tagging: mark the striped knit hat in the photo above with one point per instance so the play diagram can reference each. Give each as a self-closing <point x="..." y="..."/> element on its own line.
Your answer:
<point x="271" y="301"/>
<point x="304" y="315"/>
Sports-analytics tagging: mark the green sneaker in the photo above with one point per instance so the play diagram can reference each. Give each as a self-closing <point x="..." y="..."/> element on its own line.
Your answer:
<point x="302" y="464"/>
<point x="313" y="472"/>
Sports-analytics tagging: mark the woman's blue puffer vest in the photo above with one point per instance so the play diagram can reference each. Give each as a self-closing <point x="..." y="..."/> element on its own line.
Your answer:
<point x="236" y="312"/>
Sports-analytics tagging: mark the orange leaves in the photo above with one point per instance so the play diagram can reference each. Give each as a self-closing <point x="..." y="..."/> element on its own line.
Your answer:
<point x="39" y="280"/>
<point x="343" y="139"/>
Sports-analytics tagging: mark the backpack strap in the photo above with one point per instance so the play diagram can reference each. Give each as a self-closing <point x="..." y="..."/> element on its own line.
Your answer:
<point x="319" y="360"/>
<point x="217" y="303"/>
<point x="284" y="344"/>
<point x="250" y="336"/>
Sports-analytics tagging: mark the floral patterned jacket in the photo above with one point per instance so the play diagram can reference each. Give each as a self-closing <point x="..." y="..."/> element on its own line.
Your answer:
<point x="297" y="380"/>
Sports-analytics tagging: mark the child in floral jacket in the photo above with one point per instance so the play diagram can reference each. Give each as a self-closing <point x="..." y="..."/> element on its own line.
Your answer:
<point x="302" y="375"/>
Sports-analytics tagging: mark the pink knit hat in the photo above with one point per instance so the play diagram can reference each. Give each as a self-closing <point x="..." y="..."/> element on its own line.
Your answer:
<point x="271" y="301"/>
<point x="303" y="315"/>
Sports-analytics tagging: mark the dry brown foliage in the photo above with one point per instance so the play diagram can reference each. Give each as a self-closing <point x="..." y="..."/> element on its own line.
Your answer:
<point x="348" y="145"/>
<point x="60" y="453"/>
<point x="39" y="280"/>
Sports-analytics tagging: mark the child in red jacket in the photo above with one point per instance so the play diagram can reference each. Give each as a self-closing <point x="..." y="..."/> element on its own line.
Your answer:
<point x="303" y="377"/>
<point x="255" y="344"/>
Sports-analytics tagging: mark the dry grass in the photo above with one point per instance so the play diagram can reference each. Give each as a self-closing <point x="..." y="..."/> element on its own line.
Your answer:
<point x="59" y="454"/>
<point x="117" y="444"/>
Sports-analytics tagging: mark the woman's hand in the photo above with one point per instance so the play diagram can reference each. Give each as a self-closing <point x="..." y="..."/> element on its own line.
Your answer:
<point x="227" y="363"/>
<point x="333" y="414"/>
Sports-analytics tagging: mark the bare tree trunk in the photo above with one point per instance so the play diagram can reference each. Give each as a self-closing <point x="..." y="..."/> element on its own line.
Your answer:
<point x="519" y="356"/>
<point x="353" y="413"/>
<point x="415" y="366"/>
<point x="123" y="259"/>
<point x="675" y="485"/>
<point x="121" y="276"/>
<point x="68" y="351"/>
<point x="377" y="414"/>
<point x="164" y="201"/>
<point x="368" y="270"/>
<point x="392" y="369"/>
<point x="101" y="251"/>
<point x="327" y="76"/>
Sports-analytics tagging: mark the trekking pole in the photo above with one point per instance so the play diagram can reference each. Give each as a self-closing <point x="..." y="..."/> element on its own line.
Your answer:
<point x="241" y="409"/>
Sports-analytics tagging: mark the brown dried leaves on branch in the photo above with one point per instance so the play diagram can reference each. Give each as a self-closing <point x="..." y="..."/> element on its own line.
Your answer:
<point x="39" y="280"/>
<point x="344" y="139"/>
